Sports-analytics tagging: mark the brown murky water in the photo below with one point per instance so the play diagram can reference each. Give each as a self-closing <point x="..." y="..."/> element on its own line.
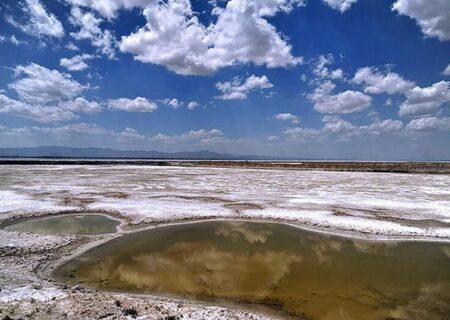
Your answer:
<point x="295" y="272"/>
<point x="73" y="224"/>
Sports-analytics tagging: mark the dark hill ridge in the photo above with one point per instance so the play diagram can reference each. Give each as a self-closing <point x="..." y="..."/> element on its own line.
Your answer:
<point x="101" y="153"/>
<point x="99" y="156"/>
<point x="48" y="155"/>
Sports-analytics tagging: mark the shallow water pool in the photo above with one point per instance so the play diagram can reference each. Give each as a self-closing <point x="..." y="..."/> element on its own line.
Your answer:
<point x="72" y="224"/>
<point x="294" y="272"/>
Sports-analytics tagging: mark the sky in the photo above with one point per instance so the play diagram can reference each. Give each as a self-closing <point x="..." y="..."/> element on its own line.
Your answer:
<point x="308" y="79"/>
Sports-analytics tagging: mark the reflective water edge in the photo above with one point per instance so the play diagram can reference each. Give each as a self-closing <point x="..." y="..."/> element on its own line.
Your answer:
<point x="294" y="272"/>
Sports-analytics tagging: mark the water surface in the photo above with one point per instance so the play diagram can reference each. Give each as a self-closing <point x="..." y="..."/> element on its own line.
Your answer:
<point x="73" y="224"/>
<point x="295" y="272"/>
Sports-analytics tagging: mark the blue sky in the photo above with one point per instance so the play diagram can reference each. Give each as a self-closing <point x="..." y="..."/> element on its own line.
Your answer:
<point x="337" y="79"/>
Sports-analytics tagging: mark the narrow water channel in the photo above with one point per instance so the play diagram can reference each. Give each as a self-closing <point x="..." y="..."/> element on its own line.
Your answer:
<point x="295" y="272"/>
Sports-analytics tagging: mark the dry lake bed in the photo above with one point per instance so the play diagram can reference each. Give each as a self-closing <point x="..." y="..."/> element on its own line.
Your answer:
<point x="213" y="242"/>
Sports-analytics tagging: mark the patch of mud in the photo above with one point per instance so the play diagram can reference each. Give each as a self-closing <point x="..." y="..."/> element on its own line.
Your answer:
<point x="119" y="195"/>
<point x="238" y="208"/>
<point x="340" y="213"/>
<point x="194" y="198"/>
<point x="84" y="199"/>
<point x="78" y="202"/>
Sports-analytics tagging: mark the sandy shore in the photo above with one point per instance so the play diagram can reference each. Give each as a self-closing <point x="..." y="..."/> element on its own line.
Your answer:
<point x="375" y="206"/>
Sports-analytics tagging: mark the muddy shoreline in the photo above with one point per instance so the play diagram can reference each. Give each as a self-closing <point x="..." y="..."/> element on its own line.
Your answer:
<point x="101" y="304"/>
<point x="151" y="306"/>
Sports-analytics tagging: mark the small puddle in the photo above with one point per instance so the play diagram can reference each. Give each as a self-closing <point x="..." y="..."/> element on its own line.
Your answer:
<point x="292" y="271"/>
<point x="73" y="224"/>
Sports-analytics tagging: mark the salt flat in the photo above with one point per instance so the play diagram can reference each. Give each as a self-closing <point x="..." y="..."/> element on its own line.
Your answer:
<point x="356" y="204"/>
<point x="361" y="204"/>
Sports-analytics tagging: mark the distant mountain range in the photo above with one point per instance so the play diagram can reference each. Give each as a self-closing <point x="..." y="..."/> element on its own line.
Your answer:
<point x="67" y="152"/>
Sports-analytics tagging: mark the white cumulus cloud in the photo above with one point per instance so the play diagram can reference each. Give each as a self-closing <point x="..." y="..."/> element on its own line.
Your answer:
<point x="192" y="105"/>
<point x="425" y="101"/>
<point x="287" y="117"/>
<point x="376" y="82"/>
<point x="72" y="47"/>
<point x="37" y="21"/>
<point x="41" y="85"/>
<point x="81" y="105"/>
<point x="174" y="103"/>
<point x="446" y="71"/>
<point x="335" y="124"/>
<point x="433" y="16"/>
<point x="138" y="104"/>
<point x="74" y="129"/>
<point x="341" y="5"/>
<point x="298" y="133"/>
<point x="203" y="136"/>
<point x="236" y="89"/>
<point x="344" y="102"/>
<point x="380" y="127"/>
<point x="46" y="95"/>
<point x="321" y="69"/>
<point x="109" y="8"/>
<point x="35" y="112"/>
<point x="429" y="123"/>
<point x="12" y="39"/>
<point x="76" y="63"/>
<point x="175" y="38"/>
<point x="130" y="134"/>
<point x="90" y="30"/>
